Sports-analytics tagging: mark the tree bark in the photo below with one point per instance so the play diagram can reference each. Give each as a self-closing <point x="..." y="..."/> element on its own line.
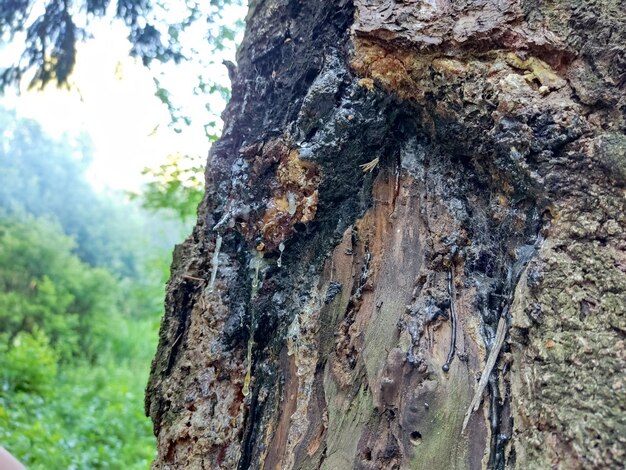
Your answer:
<point x="411" y="252"/>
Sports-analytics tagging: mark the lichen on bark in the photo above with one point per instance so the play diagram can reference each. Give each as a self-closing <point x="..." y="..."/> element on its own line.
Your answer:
<point x="493" y="138"/>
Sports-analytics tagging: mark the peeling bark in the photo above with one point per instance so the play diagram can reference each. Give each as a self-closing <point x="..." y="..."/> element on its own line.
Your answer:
<point x="394" y="181"/>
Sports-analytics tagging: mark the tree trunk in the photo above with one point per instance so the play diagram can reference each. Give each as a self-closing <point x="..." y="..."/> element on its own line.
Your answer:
<point x="411" y="252"/>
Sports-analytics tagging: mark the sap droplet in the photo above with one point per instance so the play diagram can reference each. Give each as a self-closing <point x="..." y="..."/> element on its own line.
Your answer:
<point x="291" y="199"/>
<point x="281" y="248"/>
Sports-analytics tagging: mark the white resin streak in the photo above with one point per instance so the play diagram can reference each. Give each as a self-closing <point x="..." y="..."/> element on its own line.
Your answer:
<point x="216" y="261"/>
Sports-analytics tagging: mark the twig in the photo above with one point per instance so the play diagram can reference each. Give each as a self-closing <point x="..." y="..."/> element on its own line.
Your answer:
<point x="491" y="362"/>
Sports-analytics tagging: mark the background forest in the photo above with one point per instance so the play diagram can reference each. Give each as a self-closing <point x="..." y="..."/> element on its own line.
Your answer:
<point x="83" y="267"/>
<point x="81" y="289"/>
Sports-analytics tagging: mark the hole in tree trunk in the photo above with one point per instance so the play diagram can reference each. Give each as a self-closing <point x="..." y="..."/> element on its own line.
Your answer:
<point x="416" y="437"/>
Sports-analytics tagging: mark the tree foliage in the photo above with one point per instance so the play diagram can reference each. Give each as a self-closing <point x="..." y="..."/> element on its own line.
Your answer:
<point x="74" y="351"/>
<point x="156" y="32"/>
<point x="51" y="31"/>
<point x="51" y="35"/>
<point x="176" y="184"/>
<point x="81" y="289"/>
<point x="81" y="274"/>
<point x="45" y="287"/>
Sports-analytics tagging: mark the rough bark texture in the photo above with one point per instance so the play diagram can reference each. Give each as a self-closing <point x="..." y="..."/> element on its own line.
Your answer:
<point x="327" y="314"/>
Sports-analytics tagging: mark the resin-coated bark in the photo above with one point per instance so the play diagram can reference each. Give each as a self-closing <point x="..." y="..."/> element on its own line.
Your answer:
<point x="396" y="183"/>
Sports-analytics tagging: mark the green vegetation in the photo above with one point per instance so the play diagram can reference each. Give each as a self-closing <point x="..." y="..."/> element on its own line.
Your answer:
<point x="82" y="274"/>
<point x="177" y="184"/>
<point x="81" y="289"/>
<point x="156" y="33"/>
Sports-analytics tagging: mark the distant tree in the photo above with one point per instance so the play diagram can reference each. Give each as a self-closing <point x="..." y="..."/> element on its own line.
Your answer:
<point x="44" y="286"/>
<point x="44" y="176"/>
<point x="75" y="344"/>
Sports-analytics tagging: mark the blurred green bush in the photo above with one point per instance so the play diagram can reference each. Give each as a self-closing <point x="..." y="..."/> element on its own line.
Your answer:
<point x="74" y="366"/>
<point x="82" y="280"/>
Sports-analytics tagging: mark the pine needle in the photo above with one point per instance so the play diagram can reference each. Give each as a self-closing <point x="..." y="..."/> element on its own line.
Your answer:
<point x="369" y="166"/>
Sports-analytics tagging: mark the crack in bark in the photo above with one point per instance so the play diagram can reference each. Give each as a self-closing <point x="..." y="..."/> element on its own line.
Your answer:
<point x="453" y="320"/>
